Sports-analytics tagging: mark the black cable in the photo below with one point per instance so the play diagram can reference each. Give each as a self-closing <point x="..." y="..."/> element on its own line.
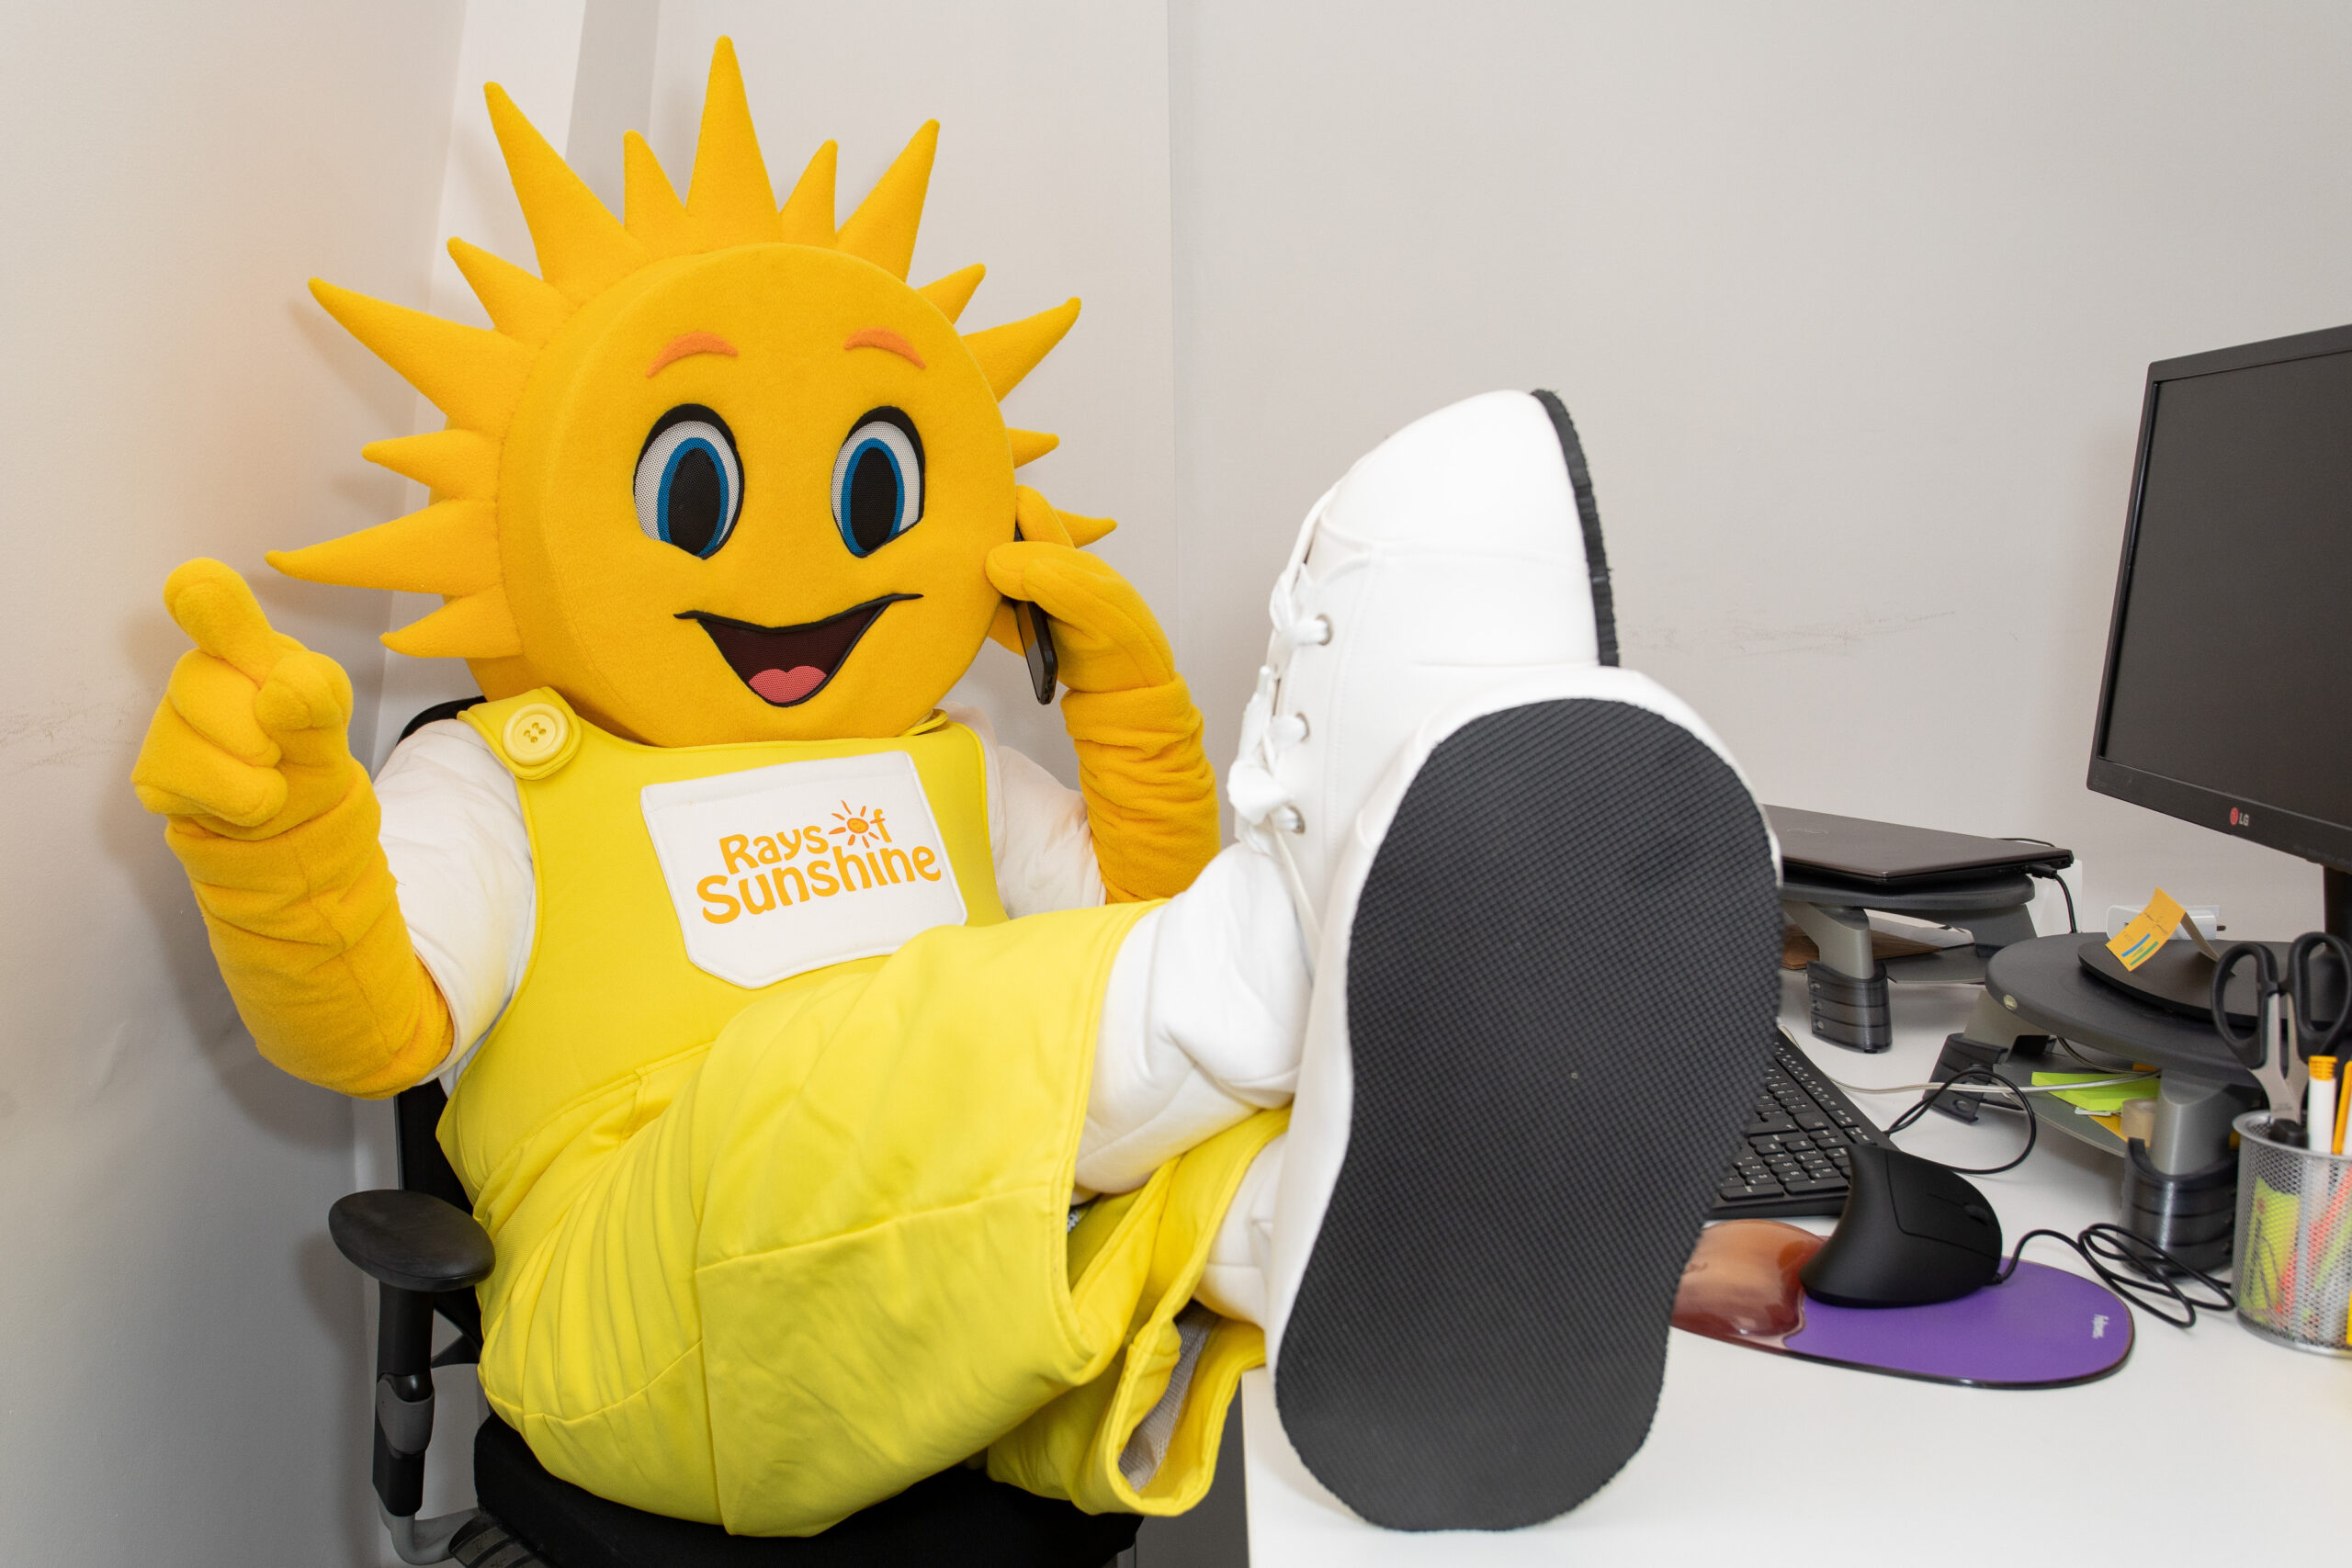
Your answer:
<point x="2032" y="1123"/>
<point x="2120" y="1064"/>
<point x="2097" y="1245"/>
<point x="2072" y="927"/>
<point x="2100" y="1244"/>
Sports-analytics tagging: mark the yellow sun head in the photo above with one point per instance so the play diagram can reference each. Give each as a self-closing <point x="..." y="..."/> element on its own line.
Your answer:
<point x="717" y="473"/>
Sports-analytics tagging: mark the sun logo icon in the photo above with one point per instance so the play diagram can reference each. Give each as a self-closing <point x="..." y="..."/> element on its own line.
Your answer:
<point x="859" y="826"/>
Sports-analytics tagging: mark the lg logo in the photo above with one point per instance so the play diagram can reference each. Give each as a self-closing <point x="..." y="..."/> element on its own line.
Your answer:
<point x="2240" y="819"/>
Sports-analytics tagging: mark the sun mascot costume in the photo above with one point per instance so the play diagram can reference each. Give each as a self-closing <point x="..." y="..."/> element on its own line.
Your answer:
<point x="845" y="1097"/>
<point x="770" y="1109"/>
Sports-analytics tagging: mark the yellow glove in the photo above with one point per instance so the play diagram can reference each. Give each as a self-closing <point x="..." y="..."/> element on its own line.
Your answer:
<point x="275" y="825"/>
<point x="1150" y="792"/>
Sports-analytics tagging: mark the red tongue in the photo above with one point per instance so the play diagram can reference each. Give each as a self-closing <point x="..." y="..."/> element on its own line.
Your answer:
<point x="787" y="685"/>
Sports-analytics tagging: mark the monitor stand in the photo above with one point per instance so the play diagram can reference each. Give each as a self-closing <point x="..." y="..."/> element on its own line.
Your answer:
<point x="2179" y="979"/>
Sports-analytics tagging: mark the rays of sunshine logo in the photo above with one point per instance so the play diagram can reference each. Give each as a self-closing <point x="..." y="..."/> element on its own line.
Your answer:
<point x="766" y="871"/>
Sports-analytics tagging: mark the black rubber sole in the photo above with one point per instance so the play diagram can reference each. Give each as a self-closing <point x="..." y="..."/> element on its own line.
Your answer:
<point x="1561" y="990"/>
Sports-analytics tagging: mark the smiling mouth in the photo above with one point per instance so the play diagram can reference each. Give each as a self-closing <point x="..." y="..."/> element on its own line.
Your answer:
<point x="787" y="665"/>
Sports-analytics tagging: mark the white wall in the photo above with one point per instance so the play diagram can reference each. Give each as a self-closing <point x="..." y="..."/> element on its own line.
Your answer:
<point x="1852" y="303"/>
<point x="182" y="1380"/>
<point x="536" y="50"/>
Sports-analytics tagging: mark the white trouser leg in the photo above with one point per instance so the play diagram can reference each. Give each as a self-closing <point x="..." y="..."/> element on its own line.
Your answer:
<point x="1201" y="1026"/>
<point x="1234" y="1282"/>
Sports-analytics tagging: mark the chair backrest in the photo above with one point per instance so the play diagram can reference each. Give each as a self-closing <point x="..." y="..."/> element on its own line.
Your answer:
<point x="437" y="712"/>
<point x="416" y="1121"/>
<point x="417" y="1112"/>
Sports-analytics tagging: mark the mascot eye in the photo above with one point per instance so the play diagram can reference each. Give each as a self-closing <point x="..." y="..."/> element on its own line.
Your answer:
<point x="877" y="481"/>
<point x="689" y="481"/>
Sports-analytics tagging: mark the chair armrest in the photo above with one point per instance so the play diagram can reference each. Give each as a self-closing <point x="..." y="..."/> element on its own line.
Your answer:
<point x="410" y="1241"/>
<point x="415" y="1246"/>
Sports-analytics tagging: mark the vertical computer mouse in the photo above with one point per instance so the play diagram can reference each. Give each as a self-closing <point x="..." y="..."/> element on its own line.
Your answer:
<point x="1912" y="1233"/>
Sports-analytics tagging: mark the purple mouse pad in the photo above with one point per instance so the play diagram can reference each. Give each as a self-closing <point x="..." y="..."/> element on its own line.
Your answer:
<point x="2042" y="1327"/>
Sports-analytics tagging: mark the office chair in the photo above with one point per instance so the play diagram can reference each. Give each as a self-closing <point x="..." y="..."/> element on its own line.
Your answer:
<point x="422" y="1246"/>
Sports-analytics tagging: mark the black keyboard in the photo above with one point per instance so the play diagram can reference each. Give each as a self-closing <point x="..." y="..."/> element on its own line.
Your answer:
<point x="1793" y="1157"/>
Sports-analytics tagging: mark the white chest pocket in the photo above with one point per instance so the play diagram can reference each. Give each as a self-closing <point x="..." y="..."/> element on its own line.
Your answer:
<point x="781" y="869"/>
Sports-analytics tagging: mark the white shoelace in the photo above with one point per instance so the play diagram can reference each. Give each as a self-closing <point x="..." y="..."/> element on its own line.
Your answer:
<point x="1269" y="817"/>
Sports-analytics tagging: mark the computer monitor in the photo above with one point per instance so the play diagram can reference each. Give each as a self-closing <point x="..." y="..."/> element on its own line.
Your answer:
<point x="2227" y="696"/>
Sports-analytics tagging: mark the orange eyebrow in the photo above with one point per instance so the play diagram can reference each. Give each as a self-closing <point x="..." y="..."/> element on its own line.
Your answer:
<point x="687" y="343"/>
<point x="883" y="337"/>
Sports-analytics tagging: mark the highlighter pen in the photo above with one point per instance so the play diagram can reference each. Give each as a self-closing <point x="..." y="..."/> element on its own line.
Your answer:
<point x="2342" y="1104"/>
<point x="2319" y="1105"/>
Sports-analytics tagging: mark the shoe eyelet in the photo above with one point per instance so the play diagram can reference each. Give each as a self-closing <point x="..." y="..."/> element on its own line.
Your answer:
<point x="1289" y="820"/>
<point x="1322" y="628"/>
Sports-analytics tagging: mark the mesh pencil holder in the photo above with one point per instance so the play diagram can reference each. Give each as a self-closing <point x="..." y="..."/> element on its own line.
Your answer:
<point x="2293" y="1254"/>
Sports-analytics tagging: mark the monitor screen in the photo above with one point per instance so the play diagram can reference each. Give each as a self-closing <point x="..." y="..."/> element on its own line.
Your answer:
<point x="2228" y="692"/>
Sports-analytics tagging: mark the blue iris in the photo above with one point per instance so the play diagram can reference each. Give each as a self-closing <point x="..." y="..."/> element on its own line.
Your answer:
<point x="689" y="484"/>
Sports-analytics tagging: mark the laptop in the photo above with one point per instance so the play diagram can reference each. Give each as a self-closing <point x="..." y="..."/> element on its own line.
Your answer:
<point x="1885" y="854"/>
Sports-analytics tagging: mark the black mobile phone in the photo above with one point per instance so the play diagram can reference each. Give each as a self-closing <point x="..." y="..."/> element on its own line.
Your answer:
<point x="1038" y="647"/>
<point x="1036" y="643"/>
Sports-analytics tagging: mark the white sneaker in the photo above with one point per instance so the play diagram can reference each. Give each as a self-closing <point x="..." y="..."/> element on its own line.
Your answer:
<point x="1460" y="552"/>
<point x="1544" y="990"/>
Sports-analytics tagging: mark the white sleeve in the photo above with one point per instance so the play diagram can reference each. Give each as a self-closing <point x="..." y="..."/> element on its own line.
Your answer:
<point x="1038" y="831"/>
<point x="453" y="834"/>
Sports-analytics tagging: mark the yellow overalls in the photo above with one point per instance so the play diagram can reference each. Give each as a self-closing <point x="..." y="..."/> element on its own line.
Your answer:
<point x="772" y="1248"/>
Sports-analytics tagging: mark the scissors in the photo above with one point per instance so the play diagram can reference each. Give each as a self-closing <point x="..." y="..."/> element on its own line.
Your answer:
<point x="2282" y="1009"/>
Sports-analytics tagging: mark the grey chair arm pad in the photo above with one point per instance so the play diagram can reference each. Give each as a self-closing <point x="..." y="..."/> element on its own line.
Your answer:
<point x="410" y="1241"/>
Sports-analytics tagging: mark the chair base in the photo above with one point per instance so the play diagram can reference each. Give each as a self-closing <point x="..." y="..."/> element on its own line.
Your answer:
<point x="956" y="1516"/>
<point x="483" y="1542"/>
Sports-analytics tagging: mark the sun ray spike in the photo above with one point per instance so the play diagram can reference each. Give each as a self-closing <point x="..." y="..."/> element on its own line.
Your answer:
<point x="1028" y="446"/>
<point x="451" y="546"/>
<point x="655" y="215"/>
<point x="1010" y="352"/>
<point x="520" y="305"/>
<point x="951" y="293"/>
<point x="457" y="464"/>
<point x="583" y="249"/>
<point x="1085" y="530"/>
<point x="808" y="215"/>
<point x="882" y="229"/>
<point x="472" y="374"/>
<point x="730" y="197"/>
<point x="480" y="626"/>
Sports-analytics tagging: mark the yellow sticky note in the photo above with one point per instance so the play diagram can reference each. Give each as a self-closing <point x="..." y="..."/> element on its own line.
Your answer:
<point x="2150" y="929"/>
<point x="2104" y="1099"/>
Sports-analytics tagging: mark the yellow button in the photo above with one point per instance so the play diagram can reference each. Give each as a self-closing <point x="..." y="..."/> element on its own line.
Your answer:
<point x="535" y="732"/>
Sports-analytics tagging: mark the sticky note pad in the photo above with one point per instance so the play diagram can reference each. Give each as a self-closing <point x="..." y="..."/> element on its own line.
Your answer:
<point x="2149" y="931"/>
<point x="2104" y="1099"/>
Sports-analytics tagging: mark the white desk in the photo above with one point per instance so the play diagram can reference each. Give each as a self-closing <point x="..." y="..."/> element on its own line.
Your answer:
<point x="2189" y="1454"/>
